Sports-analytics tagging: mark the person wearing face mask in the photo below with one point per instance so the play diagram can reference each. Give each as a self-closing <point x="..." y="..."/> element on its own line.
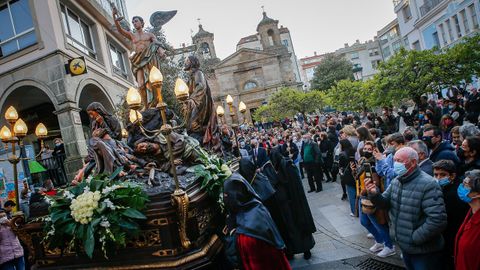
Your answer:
<point x="11" y="252"/>
<point x="59" y="148"/>
<point x="312" y="161"/>
<point x="374" y="220"/>
<point x="432" y="137"/>
<point x="414" y="201"/>
<point x="471" y="154"/>
<point x="456" y="111"/>
<point x="446" y="125"/>
<point x="424" y="162"/>
<point x="445" y="174"/>
<point x="384" y="164"/>
<point x="467" y="240"/>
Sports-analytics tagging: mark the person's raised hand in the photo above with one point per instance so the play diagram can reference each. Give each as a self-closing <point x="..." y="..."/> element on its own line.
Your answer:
<point x="377" y="154"/>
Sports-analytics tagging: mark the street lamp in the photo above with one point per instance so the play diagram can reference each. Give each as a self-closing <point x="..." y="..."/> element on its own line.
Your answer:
<point x="357" y="72"/>
<point x="41" y="132"/>
<point x="179" y="197"/>
<point x="14" y="135"/>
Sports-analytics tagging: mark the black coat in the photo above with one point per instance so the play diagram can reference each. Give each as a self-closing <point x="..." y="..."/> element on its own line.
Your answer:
<point x="345" y="171"/>
<point x="293" y="150"/>
<point x="260" y="158"/>
<point x="456" y="212"/>
<point x="295" y="208"/>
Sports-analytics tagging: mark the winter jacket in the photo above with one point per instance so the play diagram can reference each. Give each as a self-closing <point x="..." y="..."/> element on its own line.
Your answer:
<point x="417" y="212"/>
<point x="444" y="151"/>
<point x="10" y="247"/>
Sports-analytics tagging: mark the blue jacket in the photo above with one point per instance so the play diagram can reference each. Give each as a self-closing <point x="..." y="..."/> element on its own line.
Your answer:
<point x="444" y="151"/>
<point x="384" y="168"/>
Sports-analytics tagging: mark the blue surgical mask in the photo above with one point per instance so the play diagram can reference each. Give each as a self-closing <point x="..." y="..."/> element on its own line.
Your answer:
<point x="451" y="106"/>
<point x="463" y="192"/>
<point x="444" y="181"/>
<point x="399" y="168"/>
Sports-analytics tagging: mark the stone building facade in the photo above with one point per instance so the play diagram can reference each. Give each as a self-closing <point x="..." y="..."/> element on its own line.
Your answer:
<point x="41" y="37"/>
<point x="262" y="64"/>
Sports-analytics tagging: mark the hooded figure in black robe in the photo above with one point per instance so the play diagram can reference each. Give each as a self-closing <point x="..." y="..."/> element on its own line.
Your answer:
<point x="259" y="243"/>
<point x="300" y="224"/>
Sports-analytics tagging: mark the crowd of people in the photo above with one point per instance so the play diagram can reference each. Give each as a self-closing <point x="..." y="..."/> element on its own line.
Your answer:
<point x="411" y="175"/>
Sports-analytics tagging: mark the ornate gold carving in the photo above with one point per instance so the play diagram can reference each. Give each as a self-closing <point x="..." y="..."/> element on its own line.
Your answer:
<point x="181" y="201"/>
<point x="159" y="222"/>
<point x="45" y="262"/>
<point x="169" y="264"/>
<point x="203" y="218"/>
<point x="165" y="252"/>
<point x="147" y="238"/>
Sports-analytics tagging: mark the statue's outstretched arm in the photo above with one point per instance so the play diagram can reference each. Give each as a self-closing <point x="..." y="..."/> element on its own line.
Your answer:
<point x="117" y="20"/>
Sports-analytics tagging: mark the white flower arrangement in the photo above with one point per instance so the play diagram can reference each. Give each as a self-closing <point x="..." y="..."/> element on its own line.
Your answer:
<point x="83" y="206"/>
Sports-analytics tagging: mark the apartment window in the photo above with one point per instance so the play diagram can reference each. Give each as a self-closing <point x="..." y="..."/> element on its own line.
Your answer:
<point x="285" y="42"/>
<point x="406" y="43"/>
<point x="442" y="32"/>
<point x="416" y="46"/>
<point x="373" y="52"/>
<point x="436" y="41"/>
<point x="386" y="52"/>
<point x="17" y="31"/>
<point x="78" y="31"/>
<point x="457" y="26"/>
<point x="449" y="28"/>
<point x="396" y="46"/>
<point x="473" y="13"/>
<point x="407" y="13"/>
<point x="354" y="55"/>
<point x="376" y="63"/>
<point x="465" y="21"/>
<point x="118" y="60"/>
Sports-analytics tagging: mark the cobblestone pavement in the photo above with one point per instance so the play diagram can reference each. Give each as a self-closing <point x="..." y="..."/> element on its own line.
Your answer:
<point x="341" y="241"/>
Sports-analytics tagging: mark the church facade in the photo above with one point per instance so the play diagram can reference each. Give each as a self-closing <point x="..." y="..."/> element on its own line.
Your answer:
<point x="262" y="64"/>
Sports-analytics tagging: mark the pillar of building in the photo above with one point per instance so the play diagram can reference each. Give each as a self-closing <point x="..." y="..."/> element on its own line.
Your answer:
<point x="73" y="138"/>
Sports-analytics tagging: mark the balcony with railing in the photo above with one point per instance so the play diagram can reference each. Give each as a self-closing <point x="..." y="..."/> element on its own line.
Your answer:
<point x="428" y="6"/>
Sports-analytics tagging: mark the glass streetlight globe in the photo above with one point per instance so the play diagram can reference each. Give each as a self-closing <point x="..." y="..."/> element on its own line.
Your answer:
<point x="242" y="107"/>
<point x="229" y="100"/>
<point x="41" y="130"/>
<point x="181" y="89"/>
<point x="134" y="100"/>
<point x="5" y="134"/>
<point x="11" y="114"/>
<point x="155" y="75"/>
<point x="220" y="111"/>
<point x="20" y="128"/>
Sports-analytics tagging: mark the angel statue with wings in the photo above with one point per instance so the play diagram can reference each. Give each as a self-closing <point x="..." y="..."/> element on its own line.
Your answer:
<point x="147" y="50"/>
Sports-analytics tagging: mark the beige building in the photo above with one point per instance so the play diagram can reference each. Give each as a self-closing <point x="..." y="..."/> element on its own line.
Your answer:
<point x="364" y="55"/>
<point x="263" y="63"/>
<point x="308" y="65"/>
<point x="37" y="40"/>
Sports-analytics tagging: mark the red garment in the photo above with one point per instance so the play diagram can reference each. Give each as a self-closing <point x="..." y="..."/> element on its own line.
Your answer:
<point x="52" y="192"/>
<point x="259" y="255"/>
<point x="467" y="243"/>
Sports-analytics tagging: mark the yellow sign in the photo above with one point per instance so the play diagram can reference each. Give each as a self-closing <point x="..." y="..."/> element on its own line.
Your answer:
<point x="77" y="66"/>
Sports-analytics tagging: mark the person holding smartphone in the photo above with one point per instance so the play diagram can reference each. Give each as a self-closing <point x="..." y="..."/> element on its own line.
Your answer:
<point x="416" y="208"/>
<point x="374" y="220"/>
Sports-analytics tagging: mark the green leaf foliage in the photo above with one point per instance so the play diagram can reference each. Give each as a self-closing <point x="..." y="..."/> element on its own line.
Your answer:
<point x="112" y="222"/>
<point x="332" y="69"/>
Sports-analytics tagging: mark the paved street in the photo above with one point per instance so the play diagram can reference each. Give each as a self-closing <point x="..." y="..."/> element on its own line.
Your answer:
<point x="341" y="241"/>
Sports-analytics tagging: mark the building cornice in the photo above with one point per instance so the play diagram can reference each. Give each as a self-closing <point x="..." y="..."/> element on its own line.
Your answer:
<point x="432" y="13"/>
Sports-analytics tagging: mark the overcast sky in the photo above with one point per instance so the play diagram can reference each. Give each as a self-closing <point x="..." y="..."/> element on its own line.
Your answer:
<point x="315" y="25"/>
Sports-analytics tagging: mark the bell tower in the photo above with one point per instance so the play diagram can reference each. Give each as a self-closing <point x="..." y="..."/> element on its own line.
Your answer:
<point x="204" y="42"/>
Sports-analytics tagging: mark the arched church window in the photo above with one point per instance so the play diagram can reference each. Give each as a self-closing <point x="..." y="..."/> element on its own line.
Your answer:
<point x="205" y="50"/>
<point x="250" y="85"/>
<point x="270" y="34"/>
